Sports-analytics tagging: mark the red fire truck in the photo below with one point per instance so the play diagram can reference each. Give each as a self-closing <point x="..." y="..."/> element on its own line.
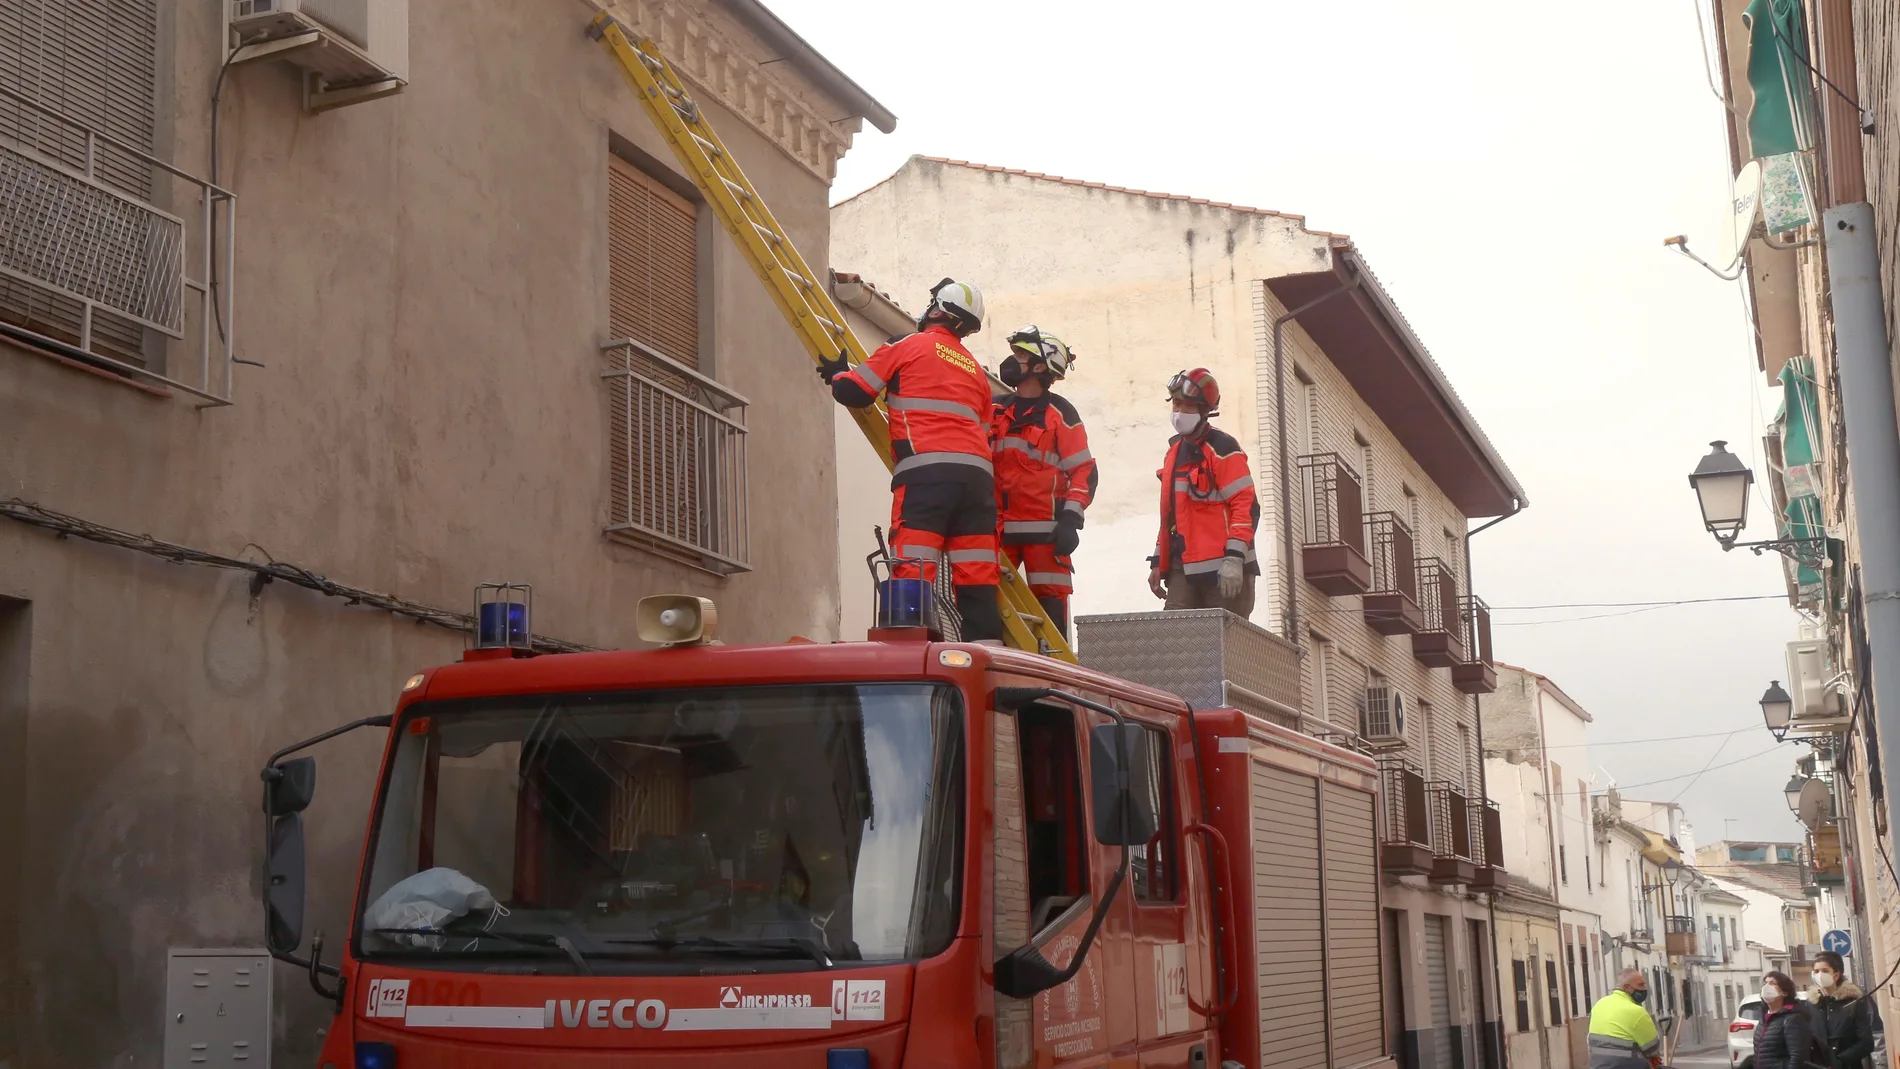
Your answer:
<point x="888" y="853"/>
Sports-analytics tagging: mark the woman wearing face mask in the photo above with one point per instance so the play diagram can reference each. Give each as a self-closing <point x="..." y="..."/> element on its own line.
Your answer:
<point x="1840" y="1014"/>
<point x="1785" y="1037"/>
<point x="1204" y="555"/>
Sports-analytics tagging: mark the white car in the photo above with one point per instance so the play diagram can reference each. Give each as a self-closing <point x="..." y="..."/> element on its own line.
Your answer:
<point x="1741" y="1033"/>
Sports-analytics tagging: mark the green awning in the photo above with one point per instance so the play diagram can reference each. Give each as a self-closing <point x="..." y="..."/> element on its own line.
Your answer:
<point x="1780" y="121"/>
<point x="1799" y="422"/>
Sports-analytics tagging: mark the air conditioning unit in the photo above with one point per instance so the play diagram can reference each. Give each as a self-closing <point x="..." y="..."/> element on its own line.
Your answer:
<point x="1807" y="682"/>
<point x="350" y="50"/>
<point x="1382" y="718"/>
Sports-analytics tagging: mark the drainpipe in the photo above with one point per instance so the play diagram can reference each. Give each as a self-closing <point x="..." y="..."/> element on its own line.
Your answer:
<point x="1289" y="617"/>
<point x="1484" y="790"/>
<point x="1861" y="354"/>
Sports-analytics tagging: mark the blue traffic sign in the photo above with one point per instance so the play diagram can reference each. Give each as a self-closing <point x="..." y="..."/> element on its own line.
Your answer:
<point x="1838" y="942"/>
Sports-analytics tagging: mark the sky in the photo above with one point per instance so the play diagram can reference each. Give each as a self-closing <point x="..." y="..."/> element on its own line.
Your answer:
<point x="1510" y="170"/>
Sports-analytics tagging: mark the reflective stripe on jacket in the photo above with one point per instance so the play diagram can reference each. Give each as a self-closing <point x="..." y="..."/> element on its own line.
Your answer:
<point x="1622" y="1034"/>
<point x="939" y="401"/>
<point x="1208" y="507"/>
<point x="1043" y="466"/>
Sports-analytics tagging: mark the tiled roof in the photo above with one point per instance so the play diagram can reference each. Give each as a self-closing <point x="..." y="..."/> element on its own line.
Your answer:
<point x="1337" y="239"/>
<point x="1783" y="879"/>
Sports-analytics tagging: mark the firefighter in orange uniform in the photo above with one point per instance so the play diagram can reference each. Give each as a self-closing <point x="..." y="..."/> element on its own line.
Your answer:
<point x="1204" y="555"/>
<point x="944" y="504"/>
<point x="1045" y="476"/>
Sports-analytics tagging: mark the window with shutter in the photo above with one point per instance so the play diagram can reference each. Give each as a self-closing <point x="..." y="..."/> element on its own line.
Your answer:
<point x="94" y="62"/>
<point x="652" y="264"/>
<point x="676" y="437"/>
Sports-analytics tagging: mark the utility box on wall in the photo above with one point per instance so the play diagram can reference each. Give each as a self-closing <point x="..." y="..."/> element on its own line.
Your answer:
<point x="217" y="1008"/>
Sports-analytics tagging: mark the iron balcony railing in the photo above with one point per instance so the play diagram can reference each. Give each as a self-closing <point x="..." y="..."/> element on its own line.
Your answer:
<point x="1330" y="490"/>
<point x="1679" y="925"/>
<point x="1394" y="570"/>
<point x="1475" y="618"/>
<point x="678" y="466"/>
<point x="91" y="264"/>
<point x="1451" y="823"/>
<point x="1406" y="810"/>
<point x="1438" y="598"/>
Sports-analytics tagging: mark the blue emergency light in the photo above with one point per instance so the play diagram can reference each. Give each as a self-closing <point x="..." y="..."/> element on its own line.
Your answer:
<point x="905" y="603"/>
<point x="501" y="616"/>
<point x="848" y="1057"/>
<point x="375" y="1056"/>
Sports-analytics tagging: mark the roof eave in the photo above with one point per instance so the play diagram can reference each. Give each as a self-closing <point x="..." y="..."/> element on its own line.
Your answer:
<point x="760" y="20"/>
<point x="1349" y="263"/>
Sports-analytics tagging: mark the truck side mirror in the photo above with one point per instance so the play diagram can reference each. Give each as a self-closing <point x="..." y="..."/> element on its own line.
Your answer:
<point x="1124" y="811"/>
<point x="1025" y="973"/>
<point x="290" y="786"/>
<point x="284" y="884"/>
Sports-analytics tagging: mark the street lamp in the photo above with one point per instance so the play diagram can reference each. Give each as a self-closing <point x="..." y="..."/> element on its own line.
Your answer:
<point x="1777" y="708"/>
<point x="1672" y="871"/>
<point x="1721" y="483"/>
<point x="1793" y="792"/>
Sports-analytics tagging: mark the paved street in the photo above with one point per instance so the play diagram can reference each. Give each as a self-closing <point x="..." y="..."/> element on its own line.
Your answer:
<point x="1716" y="1058"/>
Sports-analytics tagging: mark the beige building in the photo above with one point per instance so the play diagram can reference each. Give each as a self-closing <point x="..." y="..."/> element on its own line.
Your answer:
<point x="1355" y="437"/>
<point x="406" y="387"/>
<point x="1834" y="124"/>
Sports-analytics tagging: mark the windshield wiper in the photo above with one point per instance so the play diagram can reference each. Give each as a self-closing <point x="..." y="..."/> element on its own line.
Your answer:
<point x="808" y="948"/>
<point x="527" y="939"/>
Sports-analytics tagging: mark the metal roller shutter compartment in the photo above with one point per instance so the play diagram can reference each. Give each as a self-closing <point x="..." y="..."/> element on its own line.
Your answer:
<point x="1355" y="994"/>
<point x="1290" y="946"/>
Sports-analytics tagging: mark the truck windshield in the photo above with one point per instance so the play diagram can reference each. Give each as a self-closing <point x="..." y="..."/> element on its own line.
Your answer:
<point x="813" y="824"/>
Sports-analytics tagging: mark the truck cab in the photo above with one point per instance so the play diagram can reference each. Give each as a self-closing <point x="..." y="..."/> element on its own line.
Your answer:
<point x="816" y="854"/>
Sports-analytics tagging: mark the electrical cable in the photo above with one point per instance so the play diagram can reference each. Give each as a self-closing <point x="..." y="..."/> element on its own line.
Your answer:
<point x="1705" y="768"/>
<point x="1686" y="775"/>
<point x="1636" y="742"/>
<point x="63" y="526"/>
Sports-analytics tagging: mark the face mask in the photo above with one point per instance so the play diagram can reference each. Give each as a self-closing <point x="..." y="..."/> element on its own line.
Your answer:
<point x="1639" y="997"/>
<point x="1011" y="372"/>
<point x="1185" y="422"/>
<point x="1826" y="980"/>
<point x="1770" y="992"/>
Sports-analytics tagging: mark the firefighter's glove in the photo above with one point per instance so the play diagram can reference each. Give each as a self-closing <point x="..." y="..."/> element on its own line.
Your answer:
<point x="831" y="369"/>
<point x="1232" y="575"/>
<point x="1068" y="534"/>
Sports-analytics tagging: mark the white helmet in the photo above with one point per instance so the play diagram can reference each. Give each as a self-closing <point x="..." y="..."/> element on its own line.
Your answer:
<point x="962" y="302"/>
<point x="1036" y="345"/>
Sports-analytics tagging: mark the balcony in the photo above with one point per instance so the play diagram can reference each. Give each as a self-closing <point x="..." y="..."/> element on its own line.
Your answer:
<point x="95" y="270"/>
<point x="1405" y="844"/>
<point x="1475" y="674"/>
<point x="1391" y="605"/>
<point x="1439" y="642"/>
<point x="1679" y="936"/>
<point x="1333" y="545"/>
<point x="1641" y="938"/>
<point x="1825" y="868"/>
<point x="677" y="460"/>
<point x="1488" y="829"/>
<point x="1451" y="834"/>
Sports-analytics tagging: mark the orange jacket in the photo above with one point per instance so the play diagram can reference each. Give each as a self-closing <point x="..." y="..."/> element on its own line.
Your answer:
<point x="1041" y="455"/>
<point x="1208" y="507"/>
<point x="939" y="400"/>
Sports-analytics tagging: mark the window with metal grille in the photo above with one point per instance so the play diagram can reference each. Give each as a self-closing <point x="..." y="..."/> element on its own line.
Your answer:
<point x="88" y="258"/>
<point x="677" y="471"/>
<point x="1520" y="982"/>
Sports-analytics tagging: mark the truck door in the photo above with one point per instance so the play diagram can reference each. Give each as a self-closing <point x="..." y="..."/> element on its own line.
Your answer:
<point x="1171" y="938"/>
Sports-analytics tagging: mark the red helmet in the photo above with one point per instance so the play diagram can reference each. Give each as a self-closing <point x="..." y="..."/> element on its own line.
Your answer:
<point x="1197" y="386"/>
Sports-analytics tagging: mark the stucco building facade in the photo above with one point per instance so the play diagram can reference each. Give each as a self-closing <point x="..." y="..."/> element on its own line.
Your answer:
<point x="422" y="291"/>
<point x="1356" y="441"/>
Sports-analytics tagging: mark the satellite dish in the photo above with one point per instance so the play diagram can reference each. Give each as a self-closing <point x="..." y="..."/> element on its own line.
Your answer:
<point x="1398" y="713"/>
<point x="1815" y="804"/>
<point x="1744" y="209"/>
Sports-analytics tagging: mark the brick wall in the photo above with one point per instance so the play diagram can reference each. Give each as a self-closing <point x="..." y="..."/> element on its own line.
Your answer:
<point x="1325" y="415"/>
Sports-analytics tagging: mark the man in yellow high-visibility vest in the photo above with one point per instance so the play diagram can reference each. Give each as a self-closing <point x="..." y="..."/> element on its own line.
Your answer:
<point x="1622" y="1034"/>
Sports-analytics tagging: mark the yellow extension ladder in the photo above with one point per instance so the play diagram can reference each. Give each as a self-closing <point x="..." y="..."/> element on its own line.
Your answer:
<point x="801" y="296"/>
